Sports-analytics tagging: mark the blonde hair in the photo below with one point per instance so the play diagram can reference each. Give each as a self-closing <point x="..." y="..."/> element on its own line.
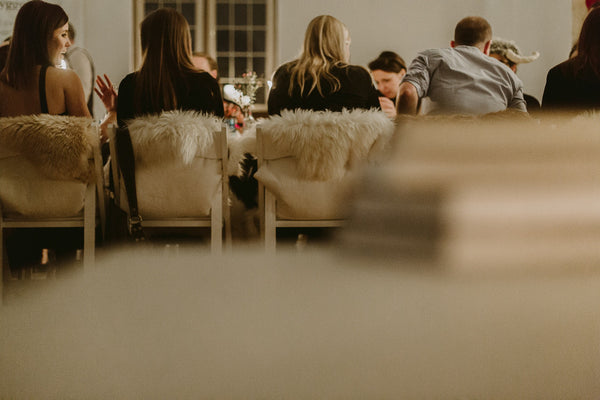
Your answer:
<point x="324" y="48"/>
<point x="167" y="57"/>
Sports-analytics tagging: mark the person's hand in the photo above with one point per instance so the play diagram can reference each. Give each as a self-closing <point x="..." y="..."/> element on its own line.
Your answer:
<point x="106" y="91"/>
<point x="388" y="107"/>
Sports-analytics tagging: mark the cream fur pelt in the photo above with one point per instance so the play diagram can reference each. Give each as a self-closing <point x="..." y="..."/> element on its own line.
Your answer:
<point x="325" y="143"/>
<point x="60" y="146"/>
<point x="173" y="136"/>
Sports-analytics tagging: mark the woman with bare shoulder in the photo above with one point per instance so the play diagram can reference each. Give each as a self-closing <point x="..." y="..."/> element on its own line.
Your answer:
<point x="30" y="82"/>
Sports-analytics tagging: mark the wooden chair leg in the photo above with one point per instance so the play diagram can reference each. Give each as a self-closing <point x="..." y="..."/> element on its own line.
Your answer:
<point x="89" y="227"/>
<point x="216" y="224"/>
<point x="270" y="228"/>
<point x="4" y="267"/>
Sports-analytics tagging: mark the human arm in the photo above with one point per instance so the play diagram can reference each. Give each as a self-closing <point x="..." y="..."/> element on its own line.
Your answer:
<point x="216" y="98"/>
<point x="202" y="93"/>
<point x="74" y="98"/>
<point x="388" y="107"/>
<point x="518" y="103"/>
<point x="415" y="84"/>
<point x="555" y="90"/>
<point x="278" y="95"/>
<point x="107" y="94"/>
<point x="408" y="99"/>
<point x="125" y="108"/>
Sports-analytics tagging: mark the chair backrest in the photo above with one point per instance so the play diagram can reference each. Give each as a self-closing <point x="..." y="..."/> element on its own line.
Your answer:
<point x="51" y="176"/>
<point x="180" y="157"/>
<point x="46" y="162"/>
<point x="307" y="159"/>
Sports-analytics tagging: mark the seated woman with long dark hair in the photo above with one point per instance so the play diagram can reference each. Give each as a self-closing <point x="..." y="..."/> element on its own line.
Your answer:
<point x="322" y="78"/>
<point x="575" y="84"/>
<point x="30" y="83"/>
<point x="167" y="79"/>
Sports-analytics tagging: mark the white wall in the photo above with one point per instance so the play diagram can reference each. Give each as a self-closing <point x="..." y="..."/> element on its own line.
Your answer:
<point x="408" y="26"/>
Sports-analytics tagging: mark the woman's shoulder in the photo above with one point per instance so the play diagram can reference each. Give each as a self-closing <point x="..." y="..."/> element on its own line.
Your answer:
<point x="285" y="69"/>
<point x="128" y="79"/>
<point x="357" y="69"/>
<point x="566" y="68"/>
<point x="65" y="79"/>
<point x="202" y="78"/>
<point x="353" y="72"/>
<point x="61" y="75"/>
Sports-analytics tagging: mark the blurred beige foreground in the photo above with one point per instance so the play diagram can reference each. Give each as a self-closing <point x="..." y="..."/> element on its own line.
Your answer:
<point x="302" y="326"/>
<point x="470" y="269"/>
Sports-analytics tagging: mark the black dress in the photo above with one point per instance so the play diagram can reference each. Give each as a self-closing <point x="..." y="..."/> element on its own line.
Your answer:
<point x="200" y="92"/>
<point x="356" y="91"/>
<point x="569" y="87"/>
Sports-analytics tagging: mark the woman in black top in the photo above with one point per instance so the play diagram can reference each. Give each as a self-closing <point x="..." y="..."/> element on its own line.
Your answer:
<point x="167" y="79"/>
<point x="575" y="83"/>
<point x="321" y="78"/>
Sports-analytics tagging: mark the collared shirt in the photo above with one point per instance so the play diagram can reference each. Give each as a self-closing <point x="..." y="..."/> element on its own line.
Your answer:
<point x="463" y="80"/>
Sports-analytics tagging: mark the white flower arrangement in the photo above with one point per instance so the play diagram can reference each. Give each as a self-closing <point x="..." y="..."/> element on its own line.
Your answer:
<point x="248" y="85"/>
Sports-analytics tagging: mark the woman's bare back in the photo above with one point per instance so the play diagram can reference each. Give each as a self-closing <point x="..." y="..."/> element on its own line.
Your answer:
<point x="64" y="95"/>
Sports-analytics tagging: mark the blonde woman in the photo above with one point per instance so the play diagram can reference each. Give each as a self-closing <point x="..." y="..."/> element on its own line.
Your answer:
<point x="322" y="78"/>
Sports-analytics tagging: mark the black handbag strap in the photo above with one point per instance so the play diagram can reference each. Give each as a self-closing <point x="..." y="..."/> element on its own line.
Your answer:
<point x="126" y="162"/>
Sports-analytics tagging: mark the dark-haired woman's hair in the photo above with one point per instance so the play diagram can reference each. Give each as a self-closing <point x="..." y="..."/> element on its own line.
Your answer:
<point x="588" y="47"/>
<point x="34" y="26"/>
<point x="388" y="61"/>
<point x="167" y="58"/>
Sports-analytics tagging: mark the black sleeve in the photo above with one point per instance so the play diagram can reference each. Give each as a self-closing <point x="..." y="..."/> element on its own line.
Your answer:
<point x="363" y="88"/>
<point x="372" y="93"/>
<point x="554" y="91"/>
<point x="211" y="96"/>
<point x="278" y="95"/>
<point x="125" y="109"/>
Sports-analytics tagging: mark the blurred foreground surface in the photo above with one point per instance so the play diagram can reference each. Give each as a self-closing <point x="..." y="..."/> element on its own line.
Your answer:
<point x="301" y="325"/>
<point x="469" y="269"/>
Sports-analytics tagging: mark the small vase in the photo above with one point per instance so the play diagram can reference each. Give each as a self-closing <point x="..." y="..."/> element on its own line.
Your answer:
<point x="249" y="121"/>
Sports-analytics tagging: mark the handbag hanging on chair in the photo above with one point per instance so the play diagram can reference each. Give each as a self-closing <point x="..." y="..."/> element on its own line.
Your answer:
<point x="126" y="162"/>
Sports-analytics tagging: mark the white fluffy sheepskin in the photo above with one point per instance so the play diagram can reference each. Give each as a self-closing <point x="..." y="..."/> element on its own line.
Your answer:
<point x="325" y="143"/>
<point x="173" y="136"/>
<point x="59" y="146"/>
